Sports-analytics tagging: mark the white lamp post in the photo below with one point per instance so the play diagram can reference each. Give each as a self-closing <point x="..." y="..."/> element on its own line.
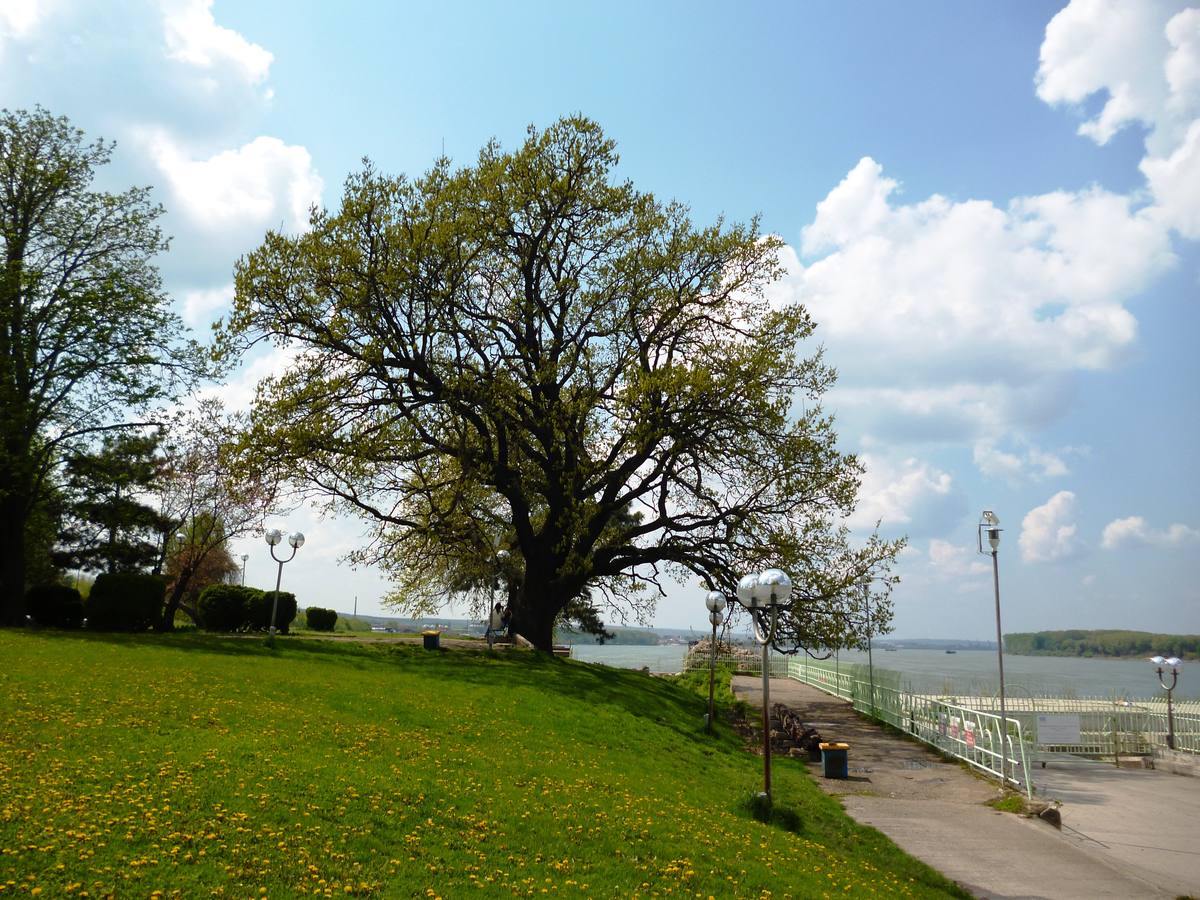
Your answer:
<point x="245" y="556"/>
<point x="865" y="581"/>
<point x="762" y="594"/>
<point x="296" y="541"/>
<point x="715" y="601"/>
<point x="988" y="522"/>
<point x="1173" y="662"/>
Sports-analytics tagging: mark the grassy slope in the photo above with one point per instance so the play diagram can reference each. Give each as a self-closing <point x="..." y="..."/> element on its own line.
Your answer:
<point x="202" y="765"/>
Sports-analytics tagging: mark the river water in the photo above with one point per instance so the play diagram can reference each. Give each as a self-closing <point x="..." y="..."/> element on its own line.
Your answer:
<point x="964" y="672"/>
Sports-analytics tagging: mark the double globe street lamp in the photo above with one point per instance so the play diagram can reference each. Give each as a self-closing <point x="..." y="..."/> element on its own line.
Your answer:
<point x="761" y="594"/>
<point x="715" y="601"/>
<point x="273" y="537"/>
<point x="1171" y="662"/>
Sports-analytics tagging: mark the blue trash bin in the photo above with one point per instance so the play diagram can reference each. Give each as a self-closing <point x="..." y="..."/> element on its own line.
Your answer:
<point x="432" y="639"/>
<point x="835" y="760"/>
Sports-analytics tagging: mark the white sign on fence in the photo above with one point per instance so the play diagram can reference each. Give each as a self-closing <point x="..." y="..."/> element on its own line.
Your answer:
<point x="1058" y="729"/>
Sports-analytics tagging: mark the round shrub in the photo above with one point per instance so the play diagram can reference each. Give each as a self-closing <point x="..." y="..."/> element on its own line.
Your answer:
<point x="125" y="601"/>
<point x="319" y="619"/>
<point x="229" y="607"/>
<point x="284" y="614"/>
<point x="55" y="605"/>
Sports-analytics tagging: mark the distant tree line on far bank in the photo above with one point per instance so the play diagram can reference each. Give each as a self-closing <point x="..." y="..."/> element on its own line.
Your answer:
<point x="615" y="635"/>
<point x="1108" y="642"/>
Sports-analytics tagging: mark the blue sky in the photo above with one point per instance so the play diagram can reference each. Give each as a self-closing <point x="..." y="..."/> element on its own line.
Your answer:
<point x="993" y="212"/>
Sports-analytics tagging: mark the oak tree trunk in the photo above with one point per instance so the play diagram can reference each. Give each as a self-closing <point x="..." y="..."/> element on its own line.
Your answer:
<point x="13" y="514"/>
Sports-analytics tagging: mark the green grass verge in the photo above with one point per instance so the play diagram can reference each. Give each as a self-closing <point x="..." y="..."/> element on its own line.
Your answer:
<point x="1011" y="803"/>
<point x="193" y="765"/>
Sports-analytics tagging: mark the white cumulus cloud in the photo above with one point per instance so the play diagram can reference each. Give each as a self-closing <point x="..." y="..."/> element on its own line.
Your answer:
<point x="1175" y="182"/>
<point x="1133" y="531"/>
<point x="1145" y="58"/>
<point x="909" y="493"/>
<point x="199" y="306"/>
<point x="193" y="36"/>
<point x="1113" y="46"/>
<point x="1025" y="461"/>
<point x="190" y="93"/>
<point x="956" y="319"/>
<point x="19" y="17"/>
<point x="1047" y="532"/>
<point x="964" y="314"/>
<point x="237" y="393"/>
<point x="949" y="561"/>
<point x="265" y="183"/>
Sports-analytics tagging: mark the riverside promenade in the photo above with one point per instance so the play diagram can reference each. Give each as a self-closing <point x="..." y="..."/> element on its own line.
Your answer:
<point x="1126" y="833"/>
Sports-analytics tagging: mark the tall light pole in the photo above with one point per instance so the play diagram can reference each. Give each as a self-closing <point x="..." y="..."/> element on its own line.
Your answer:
<point x="245" y="556"/>
<point x="1173" y="662"/>
<point x="989" y="522"/>
<point x="296" y="541"/>
<point x="715" y="601"/>
<point x="866" y="587"/>
<point x="762" y="594"/>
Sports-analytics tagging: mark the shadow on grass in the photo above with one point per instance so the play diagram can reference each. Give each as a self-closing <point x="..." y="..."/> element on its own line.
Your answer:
<point x="760" y="807"/>
<point x="192" y="641"/>
<point x="634" y="692"/>
<point x="637" y="694"/>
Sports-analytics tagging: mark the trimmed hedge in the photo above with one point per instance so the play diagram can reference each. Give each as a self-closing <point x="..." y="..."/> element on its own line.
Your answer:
<point x="55" y="605"/>
<point x="284" y="615"/>
<point x="320" y="619"/>
<point x="125" y="601"/>
<point x="226" y="607"/>
<point x="232" y="607"/>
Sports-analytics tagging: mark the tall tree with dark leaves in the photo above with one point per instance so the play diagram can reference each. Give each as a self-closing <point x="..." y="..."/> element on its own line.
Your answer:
<point x="529" y="347"/>
<point x="88" y="342"/>
<point x="113" y="520"/>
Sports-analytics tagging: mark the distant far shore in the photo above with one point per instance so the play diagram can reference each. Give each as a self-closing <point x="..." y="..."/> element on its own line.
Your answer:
<point x="1085" y="655"/>
<point x="1103" y="644"/>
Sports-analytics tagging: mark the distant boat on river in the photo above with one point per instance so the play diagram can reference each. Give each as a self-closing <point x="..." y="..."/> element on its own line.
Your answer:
<point x="951" y="651"/>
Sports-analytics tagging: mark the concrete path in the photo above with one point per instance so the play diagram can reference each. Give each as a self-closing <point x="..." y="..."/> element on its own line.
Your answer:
<point x="1148" y="820"/>
<point x="935" y="810"/>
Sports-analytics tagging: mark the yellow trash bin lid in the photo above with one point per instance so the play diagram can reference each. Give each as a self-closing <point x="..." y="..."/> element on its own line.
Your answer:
<point x="430" y="633"/>
<point x="834" y="745"/>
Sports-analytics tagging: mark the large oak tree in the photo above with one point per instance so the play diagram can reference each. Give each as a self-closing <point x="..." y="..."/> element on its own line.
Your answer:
<point x="87" y="338"/>
<point x="527" y="354"/>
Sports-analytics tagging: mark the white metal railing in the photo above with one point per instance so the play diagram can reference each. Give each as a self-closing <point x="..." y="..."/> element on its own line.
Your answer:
<point x="741" y="660"/>
<point x="1100" y="726"/>
<point x="1108" y="727"/>
<point x="972" y="735"/>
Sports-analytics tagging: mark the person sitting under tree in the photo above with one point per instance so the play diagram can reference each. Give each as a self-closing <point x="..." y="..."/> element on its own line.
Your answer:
<point x="496" y="624"/>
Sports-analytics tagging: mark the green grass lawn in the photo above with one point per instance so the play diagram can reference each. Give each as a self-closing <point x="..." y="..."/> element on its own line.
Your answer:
<point x="191" y="765"/>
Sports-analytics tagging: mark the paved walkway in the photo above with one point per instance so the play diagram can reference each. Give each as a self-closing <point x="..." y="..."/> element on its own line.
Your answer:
<point x="1147" y="820"/>
<point x="934" y="810"/>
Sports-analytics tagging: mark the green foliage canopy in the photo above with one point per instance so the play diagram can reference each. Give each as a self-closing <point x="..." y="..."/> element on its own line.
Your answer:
<point x="87" y="337"/>
<point x="125" y="601"/>
<point x="320" y="619"/>
<point x="527" y="351"/>
<point x="110" y="526"/>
